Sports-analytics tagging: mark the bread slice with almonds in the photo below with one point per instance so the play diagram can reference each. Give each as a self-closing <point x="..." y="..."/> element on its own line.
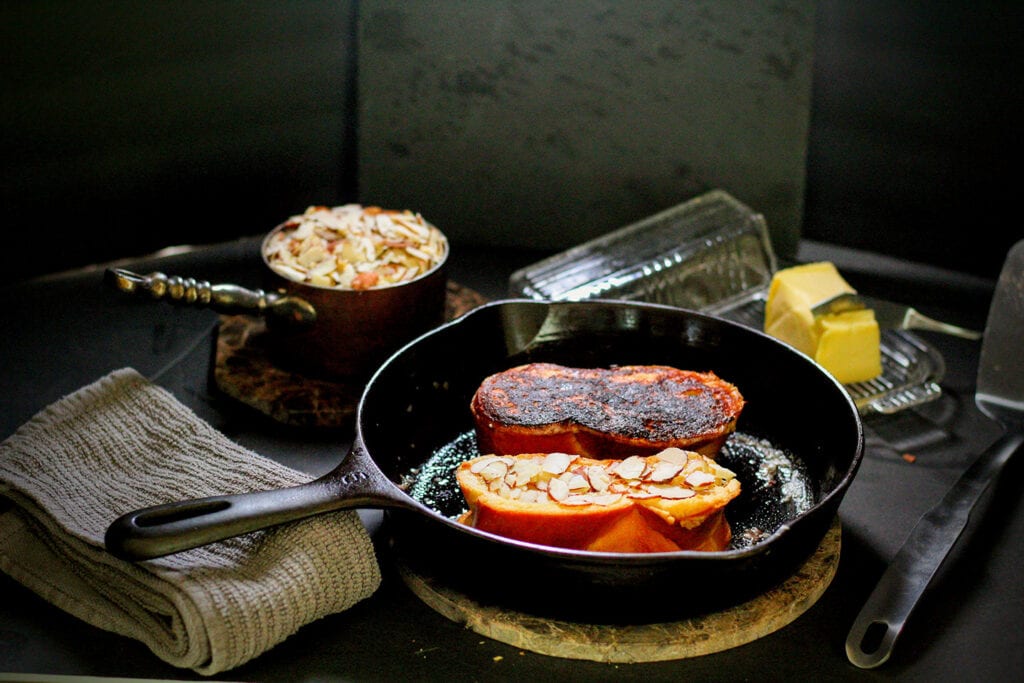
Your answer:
<point x="673" y="500"/>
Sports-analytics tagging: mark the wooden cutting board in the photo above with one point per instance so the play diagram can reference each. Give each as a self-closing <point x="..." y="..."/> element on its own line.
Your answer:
<point x="690" y="637"/>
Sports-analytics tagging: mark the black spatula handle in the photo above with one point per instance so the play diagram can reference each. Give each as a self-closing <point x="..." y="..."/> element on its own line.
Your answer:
<point x="880" y="622"/>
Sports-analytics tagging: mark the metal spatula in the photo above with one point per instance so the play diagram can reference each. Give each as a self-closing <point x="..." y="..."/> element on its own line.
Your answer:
<point x="1000" y="395"/>
<point x="891" y="315"/>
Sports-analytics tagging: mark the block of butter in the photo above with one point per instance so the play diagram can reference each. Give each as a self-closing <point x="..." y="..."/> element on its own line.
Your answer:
<point x="846" y="344"/>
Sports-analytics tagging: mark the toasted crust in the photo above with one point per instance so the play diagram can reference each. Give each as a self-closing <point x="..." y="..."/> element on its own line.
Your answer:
<point x="597" y="412"/>
<point x="632" y="507"/>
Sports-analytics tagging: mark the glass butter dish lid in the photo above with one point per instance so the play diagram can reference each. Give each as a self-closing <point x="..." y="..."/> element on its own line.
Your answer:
<point x="713" y="254"/>
<point x="707" y="251"/>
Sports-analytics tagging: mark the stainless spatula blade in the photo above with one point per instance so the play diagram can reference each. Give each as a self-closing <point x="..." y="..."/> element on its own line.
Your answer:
<point x="1000" y="393"/>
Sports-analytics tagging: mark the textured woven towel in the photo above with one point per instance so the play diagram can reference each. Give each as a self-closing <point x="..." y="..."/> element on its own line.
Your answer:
<point x="123" y="443"/>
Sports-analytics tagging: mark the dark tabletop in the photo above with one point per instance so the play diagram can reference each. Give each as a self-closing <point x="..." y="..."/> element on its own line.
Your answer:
<point x="66" y="331"/>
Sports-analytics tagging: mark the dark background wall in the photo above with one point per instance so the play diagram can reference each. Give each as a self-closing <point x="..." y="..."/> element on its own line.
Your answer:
<point x="553" y="122"/>
<point x="915" y="133"/>
<point x="129" y="127"/>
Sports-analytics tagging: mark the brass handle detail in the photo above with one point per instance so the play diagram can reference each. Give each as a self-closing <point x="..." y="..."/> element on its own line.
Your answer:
<point x="223" y="298"/>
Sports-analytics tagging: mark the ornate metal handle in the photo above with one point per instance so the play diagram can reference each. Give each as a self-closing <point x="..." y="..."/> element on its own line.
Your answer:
<point x="223" y="298"/>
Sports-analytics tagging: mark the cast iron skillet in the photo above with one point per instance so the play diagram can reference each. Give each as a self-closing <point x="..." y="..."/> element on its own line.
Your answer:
<point x="418" y="403"/>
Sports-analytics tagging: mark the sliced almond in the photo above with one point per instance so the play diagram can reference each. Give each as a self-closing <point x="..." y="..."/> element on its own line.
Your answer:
<point x="664" y="471"/>
<point x="558" y="489"/>
<point x="676" y="456"/>
<point x="631" y="468"/>
<point x="672" y="492"/>
<point x="495" y="469"/>
<point x="640" y="494"/>
<point x="598" y="478"/>
<point x="526" y="469"/>
<point x="700" y="478"/>
<point x="603" y="498"/>
<point x="529" y="496"/>
<point x="578" y="482"/>
<point x="556" y="463"/>
<point x="481" y="463"/>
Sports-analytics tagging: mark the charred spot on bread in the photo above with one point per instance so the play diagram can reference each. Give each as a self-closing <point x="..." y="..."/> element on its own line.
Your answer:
<point x="604" y="412"/>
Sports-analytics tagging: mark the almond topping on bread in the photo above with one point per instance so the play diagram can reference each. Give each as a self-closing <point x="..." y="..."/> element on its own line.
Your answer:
<point x="673" y="500"/>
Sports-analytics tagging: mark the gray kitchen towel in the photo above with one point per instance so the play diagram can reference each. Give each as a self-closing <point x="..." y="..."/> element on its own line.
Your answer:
<point x="123" y="443"/>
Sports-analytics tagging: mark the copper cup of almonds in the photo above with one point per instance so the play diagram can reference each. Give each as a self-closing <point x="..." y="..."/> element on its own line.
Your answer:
<point x="346" y="287"/>
<point x="375" y="277"/>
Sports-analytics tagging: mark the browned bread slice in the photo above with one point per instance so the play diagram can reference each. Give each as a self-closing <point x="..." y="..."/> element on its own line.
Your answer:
<point x="604" y="412"/>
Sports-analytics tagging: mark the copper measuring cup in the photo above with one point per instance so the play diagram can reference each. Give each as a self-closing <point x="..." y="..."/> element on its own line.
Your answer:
<point x="328" y="333"/>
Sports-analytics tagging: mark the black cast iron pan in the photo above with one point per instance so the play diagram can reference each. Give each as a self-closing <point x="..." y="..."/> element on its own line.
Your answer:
<point x="417" y="405"/>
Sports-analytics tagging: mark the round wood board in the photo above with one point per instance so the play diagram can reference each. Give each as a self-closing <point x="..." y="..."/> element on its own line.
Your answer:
<point x="691" y="637"/>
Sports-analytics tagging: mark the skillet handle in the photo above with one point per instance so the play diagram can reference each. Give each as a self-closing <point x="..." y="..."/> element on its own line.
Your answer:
<point x="223" y="298"/>
<point x="173" y="527"/>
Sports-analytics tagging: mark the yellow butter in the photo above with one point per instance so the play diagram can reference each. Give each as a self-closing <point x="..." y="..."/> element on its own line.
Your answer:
<point x="846" y="344"/>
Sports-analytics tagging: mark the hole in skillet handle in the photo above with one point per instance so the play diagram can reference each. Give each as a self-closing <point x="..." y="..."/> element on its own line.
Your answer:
<point x="870" y="645"/>
<point x="157" y="517"/>
<point x="147" y="533"/>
